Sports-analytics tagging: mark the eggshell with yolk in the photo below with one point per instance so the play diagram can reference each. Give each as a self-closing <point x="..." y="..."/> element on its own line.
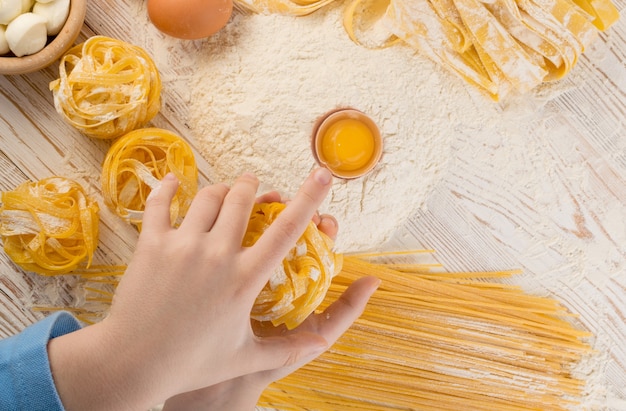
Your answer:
<point x="190" y="19"/>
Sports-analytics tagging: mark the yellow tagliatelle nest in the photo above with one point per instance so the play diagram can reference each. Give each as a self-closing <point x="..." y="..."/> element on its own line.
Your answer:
<point x="49" y="226"/>
<point x="135" y="165"/>
<point x="107" y="87"/>
<point x="299" y="285"/>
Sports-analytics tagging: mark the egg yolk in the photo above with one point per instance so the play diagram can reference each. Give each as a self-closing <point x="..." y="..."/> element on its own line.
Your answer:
<point x="347" y="145"/>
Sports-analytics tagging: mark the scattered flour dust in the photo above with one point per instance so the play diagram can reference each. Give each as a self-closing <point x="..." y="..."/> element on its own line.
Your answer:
<point x="266" y="79"/>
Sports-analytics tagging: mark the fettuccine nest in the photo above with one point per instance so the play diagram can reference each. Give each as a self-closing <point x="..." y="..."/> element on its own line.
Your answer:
<point x="107" y="87"/>
<point x="135" y="165"/>
<point x="49" y="226"/>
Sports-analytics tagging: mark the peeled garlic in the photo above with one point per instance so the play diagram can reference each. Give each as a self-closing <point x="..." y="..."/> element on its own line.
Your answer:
<point x="26" y="34"/>
<point x="9" y="10"/>
<point x="55" y="12"/>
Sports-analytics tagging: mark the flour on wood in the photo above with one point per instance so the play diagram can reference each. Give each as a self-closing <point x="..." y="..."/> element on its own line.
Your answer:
<point x="265" y="80"/>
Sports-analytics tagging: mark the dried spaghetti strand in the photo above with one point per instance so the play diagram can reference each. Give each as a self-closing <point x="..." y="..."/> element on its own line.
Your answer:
<point x="423" y="343"/>
<point x="49" y="226"/>
<point x="107" y="87"/>
<point x="135" y="165"/>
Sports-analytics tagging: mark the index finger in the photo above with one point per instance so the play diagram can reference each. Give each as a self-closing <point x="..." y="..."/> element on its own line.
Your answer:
<point x="283" y="233"/>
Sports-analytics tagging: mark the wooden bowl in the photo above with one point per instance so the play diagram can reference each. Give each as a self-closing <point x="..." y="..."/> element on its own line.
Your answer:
<point x="56" y="47"/>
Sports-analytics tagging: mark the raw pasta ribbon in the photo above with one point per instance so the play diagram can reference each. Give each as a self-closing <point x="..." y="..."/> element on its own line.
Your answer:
<point x="291" y="7"/>
<point x="135" y="165"/>
<point x="49" y="226"/>
<point x="299" y="285"/>
<point x="107" y="87"/>
<point x="498" y="46"/>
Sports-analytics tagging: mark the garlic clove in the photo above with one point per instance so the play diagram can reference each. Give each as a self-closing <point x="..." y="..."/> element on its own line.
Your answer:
<point x="9" y="10"/>
<point x="55" y="12"/>
<point x="26" y="34"/>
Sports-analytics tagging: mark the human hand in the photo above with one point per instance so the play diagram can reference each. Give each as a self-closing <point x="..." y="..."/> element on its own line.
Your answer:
<point x="242" y="393"/>
<point x="180" y="319"/>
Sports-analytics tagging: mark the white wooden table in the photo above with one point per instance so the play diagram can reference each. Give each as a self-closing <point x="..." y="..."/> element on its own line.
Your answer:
<point x="561" y="217"/>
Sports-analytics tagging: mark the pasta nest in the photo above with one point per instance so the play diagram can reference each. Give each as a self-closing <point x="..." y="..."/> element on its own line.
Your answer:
<point x="298" y="286"/>
<point x="107" y="87"/>
<point x="135" y="165"/>
<point x="49" y="226"/>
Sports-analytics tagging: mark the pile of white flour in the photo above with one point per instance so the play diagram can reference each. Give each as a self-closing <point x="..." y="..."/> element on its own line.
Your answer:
<point x="266" y="79"/>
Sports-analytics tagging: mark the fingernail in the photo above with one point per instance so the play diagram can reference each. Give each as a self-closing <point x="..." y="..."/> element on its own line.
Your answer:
<point x="329" y="219"/>
<point x="169" y="177"/>
<point x="250" y="176"/>
<point x="323" y="176"/>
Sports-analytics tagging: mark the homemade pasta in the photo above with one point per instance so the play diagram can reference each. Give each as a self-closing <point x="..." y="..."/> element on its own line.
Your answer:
<point x="107" y="87"/>
<point x="299" y="285"/>
<point x="49" y="226"/>
<point x="135" y="165"/>
<point x="499" y="46"/>
<point x="291" y="7"/>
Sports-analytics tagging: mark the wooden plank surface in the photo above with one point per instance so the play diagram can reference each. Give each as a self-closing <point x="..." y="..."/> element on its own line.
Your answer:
<point x="559" y="214"/>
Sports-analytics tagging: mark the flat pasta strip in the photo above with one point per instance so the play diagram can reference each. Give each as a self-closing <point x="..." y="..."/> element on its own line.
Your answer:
<point x="361" y="15"/>
<point x="49" y="226"/>
<point x="510" y="16"/>
<point x="107" y="87"/>
<point x="604" y="13"/>
<point x="494" y="40"/>
<point x="289" y="7"/>
<point x="449" y="14"/>
<point x="135" y="165"/>
<point x="419" y="25"/>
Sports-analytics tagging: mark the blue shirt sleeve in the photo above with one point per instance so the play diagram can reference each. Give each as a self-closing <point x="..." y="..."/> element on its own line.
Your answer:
<point x="25" y="378"/>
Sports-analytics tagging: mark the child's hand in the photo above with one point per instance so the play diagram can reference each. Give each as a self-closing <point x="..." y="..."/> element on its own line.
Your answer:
<point x="180" y="318"/>
<point x="242" y="393"/>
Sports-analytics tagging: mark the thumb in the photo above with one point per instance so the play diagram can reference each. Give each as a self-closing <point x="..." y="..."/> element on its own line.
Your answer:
<point x="290" y="351"/>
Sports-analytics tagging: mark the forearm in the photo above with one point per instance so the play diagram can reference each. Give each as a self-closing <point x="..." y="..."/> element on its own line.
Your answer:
<point x="92" y="371"/>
